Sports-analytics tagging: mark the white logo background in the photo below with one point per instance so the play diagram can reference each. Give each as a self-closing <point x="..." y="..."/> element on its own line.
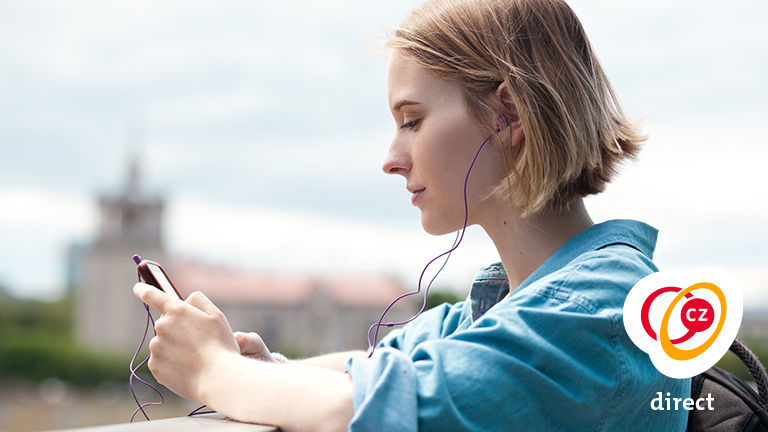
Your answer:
<point x="665" y="364"/>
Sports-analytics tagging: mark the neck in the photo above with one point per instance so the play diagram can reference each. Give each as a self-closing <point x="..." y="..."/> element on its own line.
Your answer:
<point x="524" y="244"/>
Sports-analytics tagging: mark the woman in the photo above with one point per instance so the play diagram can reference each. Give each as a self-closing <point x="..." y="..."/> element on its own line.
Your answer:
<point x="512" y="89"/>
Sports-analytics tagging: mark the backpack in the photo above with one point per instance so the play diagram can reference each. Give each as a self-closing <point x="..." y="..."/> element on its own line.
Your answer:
<point x="739" y="408"/>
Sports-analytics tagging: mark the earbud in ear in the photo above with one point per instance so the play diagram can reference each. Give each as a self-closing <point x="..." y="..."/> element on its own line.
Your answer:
<point x="503" y="124"/>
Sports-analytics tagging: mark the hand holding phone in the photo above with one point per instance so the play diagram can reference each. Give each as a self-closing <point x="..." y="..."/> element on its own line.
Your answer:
<point x="153" y="274"/>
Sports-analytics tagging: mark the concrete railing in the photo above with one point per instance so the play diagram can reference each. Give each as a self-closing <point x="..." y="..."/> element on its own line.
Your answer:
<point x="198" y="423"/>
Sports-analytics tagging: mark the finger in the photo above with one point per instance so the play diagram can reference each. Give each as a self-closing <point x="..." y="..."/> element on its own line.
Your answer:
<point x="156" y="299"/>
<point x="200" y="301"/>
<point x="251" y="343"/>
<point x="242" y="341"/>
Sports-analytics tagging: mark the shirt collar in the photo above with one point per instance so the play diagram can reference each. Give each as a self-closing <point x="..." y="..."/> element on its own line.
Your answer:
<point x="491" y="283"/>
<point x="632" y="233"/>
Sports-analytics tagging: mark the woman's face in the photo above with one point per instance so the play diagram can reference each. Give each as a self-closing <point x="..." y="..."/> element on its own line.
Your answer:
<point x="433" y="148"/>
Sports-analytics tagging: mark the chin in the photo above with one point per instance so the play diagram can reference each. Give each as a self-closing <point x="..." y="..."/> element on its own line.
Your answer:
<point x="439" y="227"/>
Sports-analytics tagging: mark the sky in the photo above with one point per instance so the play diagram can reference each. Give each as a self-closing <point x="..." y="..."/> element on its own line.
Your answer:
<point x="264" y="125"/>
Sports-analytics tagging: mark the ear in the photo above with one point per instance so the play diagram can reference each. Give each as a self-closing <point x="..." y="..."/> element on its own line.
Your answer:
<point x="509" y="110"/>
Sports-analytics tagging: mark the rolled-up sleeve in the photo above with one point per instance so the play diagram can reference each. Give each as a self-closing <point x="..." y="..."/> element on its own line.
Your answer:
<point x="385" y="392"/>
<point x="501" y="373"/>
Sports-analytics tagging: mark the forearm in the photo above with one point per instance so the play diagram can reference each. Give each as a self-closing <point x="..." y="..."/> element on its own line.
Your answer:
<point x="334" y="361"/>
<point x="295" y="397"/>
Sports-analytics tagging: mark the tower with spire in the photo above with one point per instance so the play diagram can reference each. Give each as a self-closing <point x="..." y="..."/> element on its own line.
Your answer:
<point x="107" y="315"/>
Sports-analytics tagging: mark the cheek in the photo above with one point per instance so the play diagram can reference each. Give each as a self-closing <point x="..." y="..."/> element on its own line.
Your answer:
<point x="457" y="144"/>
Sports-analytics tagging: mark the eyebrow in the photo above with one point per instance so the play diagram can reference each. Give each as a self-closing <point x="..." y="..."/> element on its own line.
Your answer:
<point x="403" y="103"/>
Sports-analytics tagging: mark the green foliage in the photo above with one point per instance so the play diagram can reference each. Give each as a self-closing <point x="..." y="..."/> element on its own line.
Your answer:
<point x="291" y="352"/>
<point x="25" y="317"/>
<point x="733" y="364"/>
<point x="437" y="297"/>
<point x="36" y="343"/>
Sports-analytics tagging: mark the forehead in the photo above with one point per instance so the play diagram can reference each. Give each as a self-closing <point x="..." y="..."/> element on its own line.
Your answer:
<point x="407" y="81"/>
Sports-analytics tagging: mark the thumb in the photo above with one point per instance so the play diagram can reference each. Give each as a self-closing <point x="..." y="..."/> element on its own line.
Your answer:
<point x="251" y="345"/>
<point x="241" y="339"/>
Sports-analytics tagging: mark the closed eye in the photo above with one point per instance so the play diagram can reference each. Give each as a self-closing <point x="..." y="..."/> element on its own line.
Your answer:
<point x="410" y="125"/>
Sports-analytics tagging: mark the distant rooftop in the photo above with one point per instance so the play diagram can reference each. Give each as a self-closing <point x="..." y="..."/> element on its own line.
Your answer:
<point x="281" y="287"/>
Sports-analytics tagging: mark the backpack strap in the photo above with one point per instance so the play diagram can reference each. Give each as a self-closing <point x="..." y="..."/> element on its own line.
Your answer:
<point x="755" y="368"/>
<point x="740" y="407"/>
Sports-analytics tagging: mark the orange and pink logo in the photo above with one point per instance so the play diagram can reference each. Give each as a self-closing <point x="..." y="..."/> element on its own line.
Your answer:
<point x="685" y="321"/>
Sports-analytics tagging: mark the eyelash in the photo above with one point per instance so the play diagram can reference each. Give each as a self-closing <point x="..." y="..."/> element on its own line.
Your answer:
<point x="410" y="125"/>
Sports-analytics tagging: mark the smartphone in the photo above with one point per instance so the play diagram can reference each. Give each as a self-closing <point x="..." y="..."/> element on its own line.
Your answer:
<point x="153" y="274"/>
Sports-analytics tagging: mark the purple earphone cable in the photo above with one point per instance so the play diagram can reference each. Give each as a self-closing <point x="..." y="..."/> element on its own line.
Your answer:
<point x="133" y="369"/>
<point x="137" y="259"/>
<point x="503" y="123"/>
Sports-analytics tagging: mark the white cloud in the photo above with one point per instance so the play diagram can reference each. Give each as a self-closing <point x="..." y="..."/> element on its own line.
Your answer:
<point x="27" y="208"/>
<point x="263" y="105"/>
<point x="35" y="228"/>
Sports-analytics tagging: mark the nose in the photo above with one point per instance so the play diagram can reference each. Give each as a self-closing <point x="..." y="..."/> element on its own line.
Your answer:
<point x="397" y="160"/>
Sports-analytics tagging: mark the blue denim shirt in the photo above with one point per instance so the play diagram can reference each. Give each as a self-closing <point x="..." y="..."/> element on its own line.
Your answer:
<point x="553" y="355"/>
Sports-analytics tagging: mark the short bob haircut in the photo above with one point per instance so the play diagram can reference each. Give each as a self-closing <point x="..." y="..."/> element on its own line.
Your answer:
<point x="575" y="134"/>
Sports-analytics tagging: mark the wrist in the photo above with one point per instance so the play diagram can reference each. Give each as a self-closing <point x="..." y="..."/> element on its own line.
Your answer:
<point x="214" y="378"/>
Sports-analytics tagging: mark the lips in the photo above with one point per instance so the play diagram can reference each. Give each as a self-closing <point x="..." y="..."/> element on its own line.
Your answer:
<point x="415" y="193"/>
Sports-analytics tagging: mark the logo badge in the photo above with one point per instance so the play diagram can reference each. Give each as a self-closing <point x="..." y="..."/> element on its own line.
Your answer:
<point x="685" y="321"/>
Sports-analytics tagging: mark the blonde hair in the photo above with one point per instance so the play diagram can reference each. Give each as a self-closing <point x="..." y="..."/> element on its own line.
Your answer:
<point x="575" y="134"/>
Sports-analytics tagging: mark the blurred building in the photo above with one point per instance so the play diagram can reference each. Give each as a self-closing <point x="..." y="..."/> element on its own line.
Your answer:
<point x="294" y="312"/>
<point x="107" y="315"/>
